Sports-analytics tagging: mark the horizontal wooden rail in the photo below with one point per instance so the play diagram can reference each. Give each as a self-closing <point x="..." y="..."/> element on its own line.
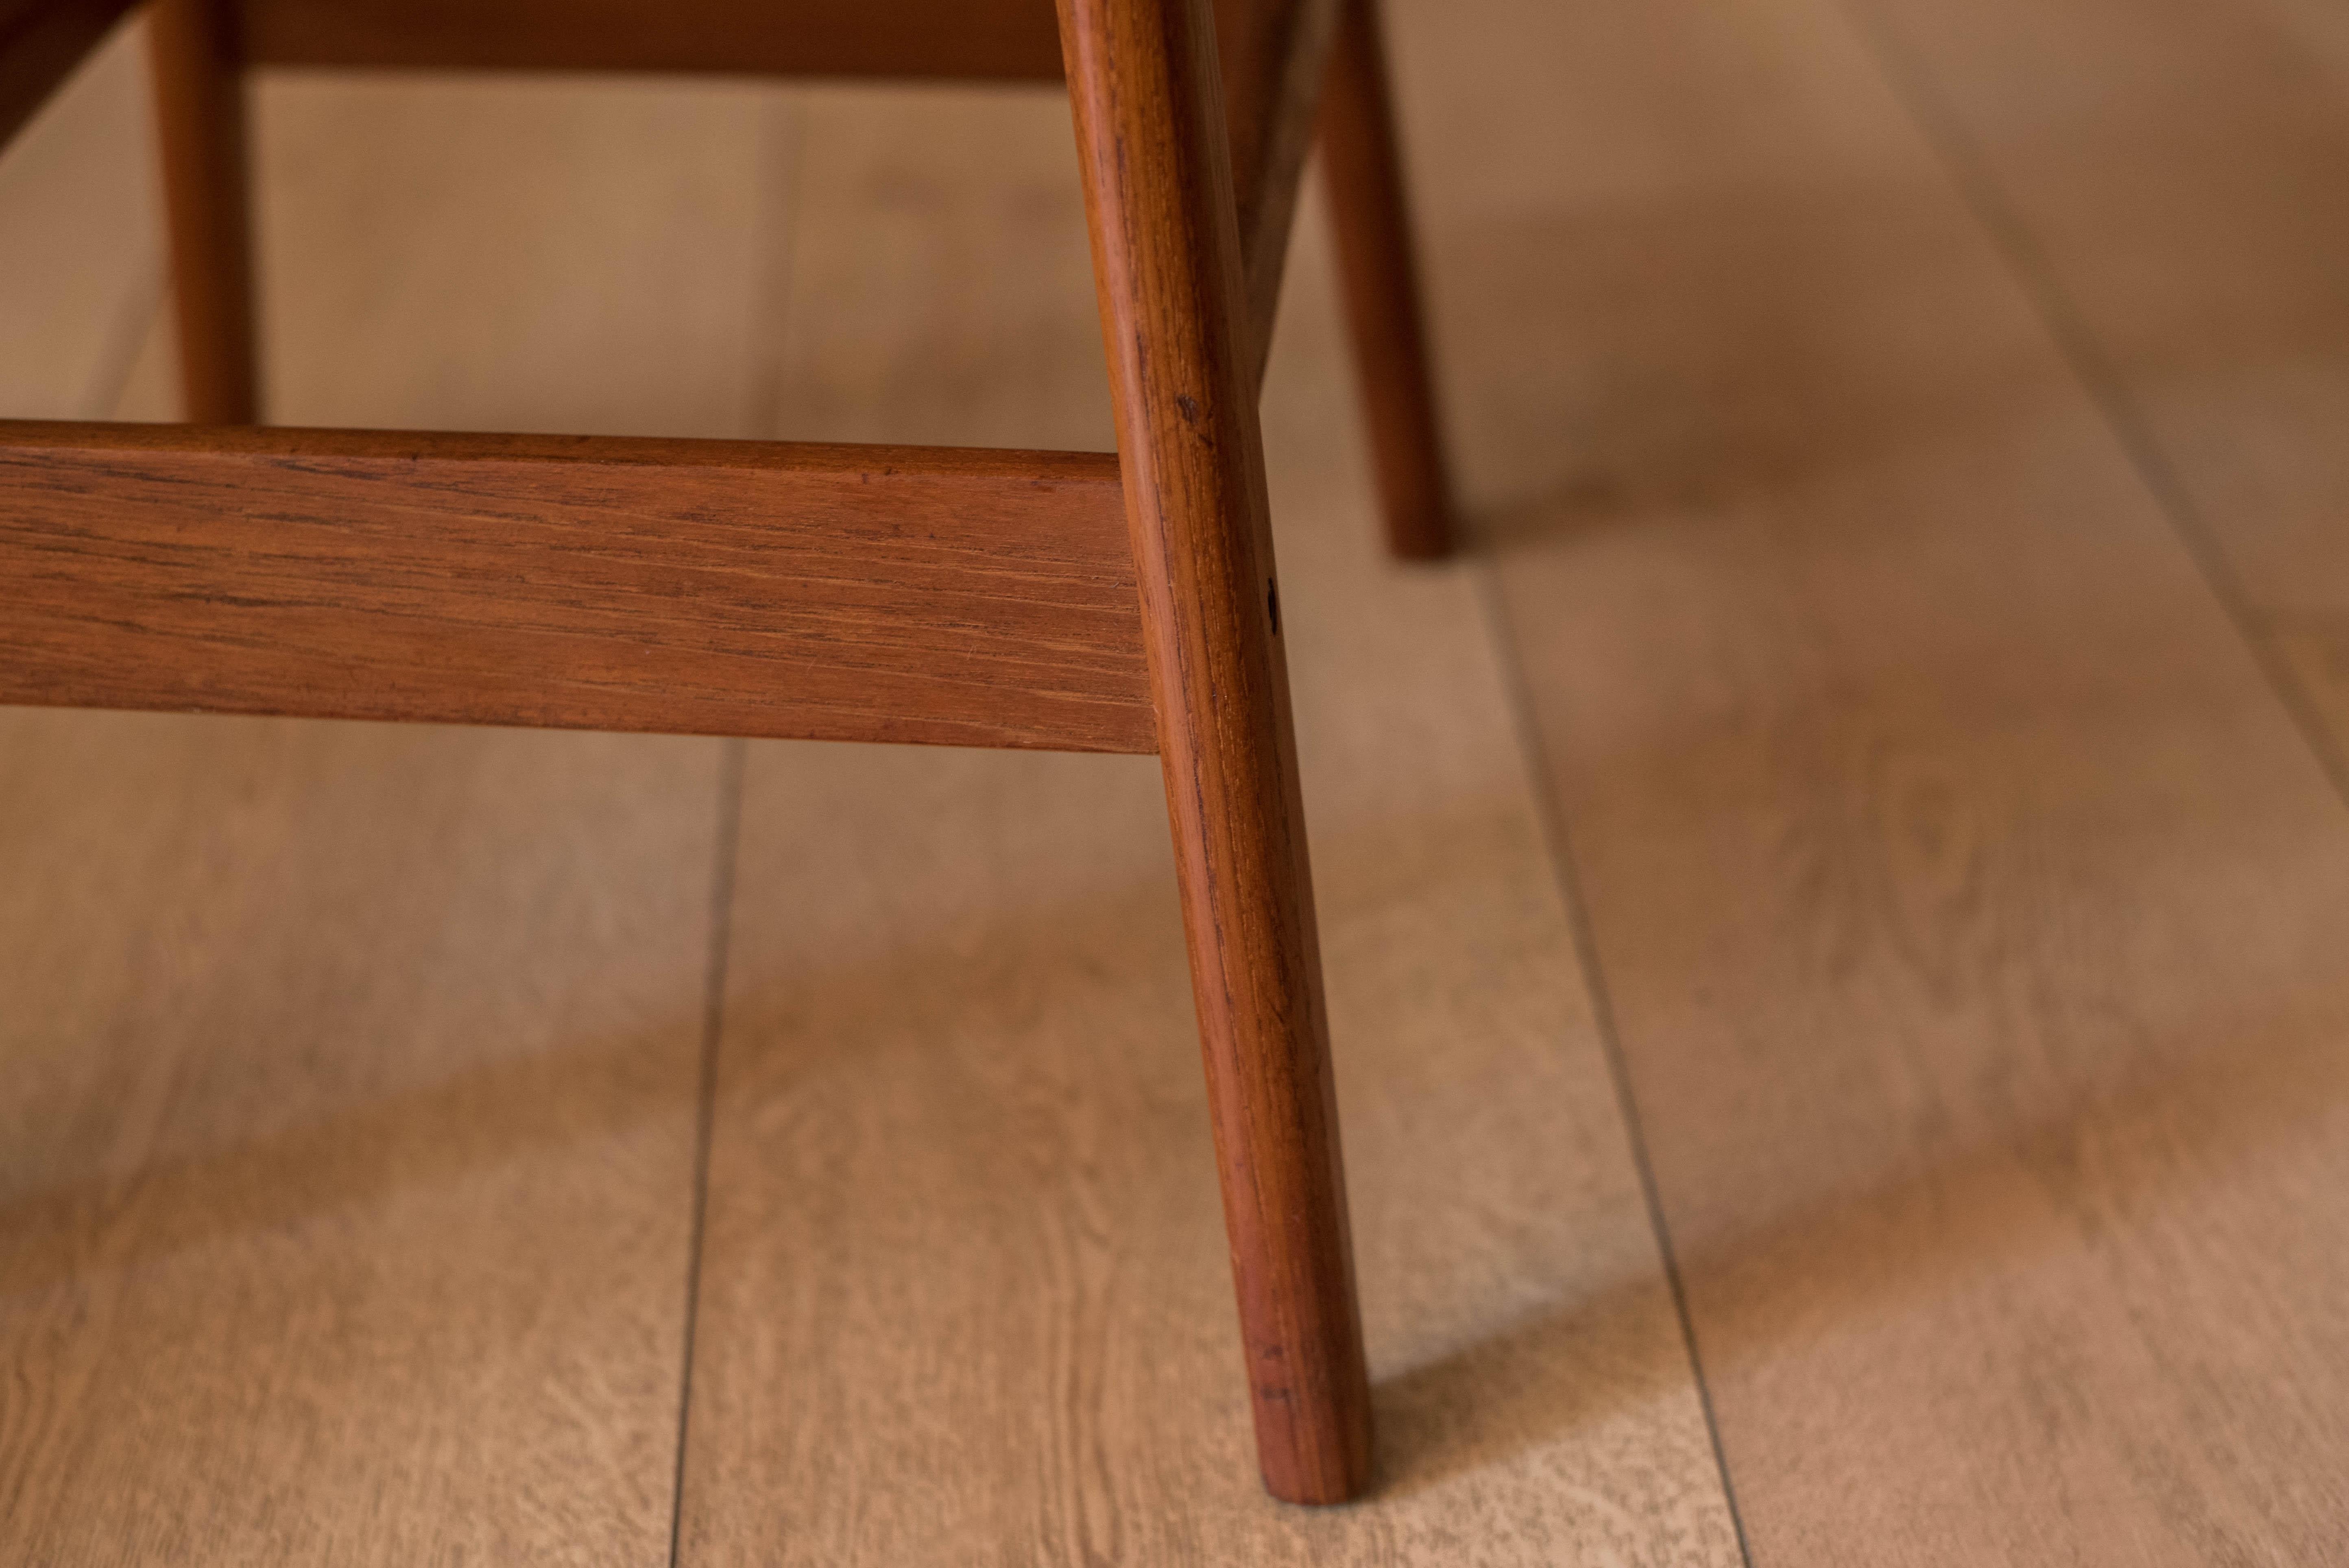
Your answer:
<point x="979" y="598"/>
<point x="1015" y="40"/>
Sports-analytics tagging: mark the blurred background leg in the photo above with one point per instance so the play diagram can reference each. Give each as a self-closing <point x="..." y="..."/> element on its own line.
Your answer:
<point x="199" y="118"/>
<point x="1364" y="170"/>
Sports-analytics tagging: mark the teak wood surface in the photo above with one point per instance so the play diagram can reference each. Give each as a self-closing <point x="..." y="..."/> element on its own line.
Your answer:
<point x="972" y="40"/>
<point x="1157" y="177"/>
<point x="963" y="597"/>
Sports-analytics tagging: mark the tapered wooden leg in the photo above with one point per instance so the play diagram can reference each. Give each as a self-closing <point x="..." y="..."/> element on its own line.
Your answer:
<point x="200" y="117"/>
<point x="1363" y="166"/>
<point x="1158" y="189"/>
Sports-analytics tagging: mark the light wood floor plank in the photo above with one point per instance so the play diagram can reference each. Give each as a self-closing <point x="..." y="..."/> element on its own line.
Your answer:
<point x="580" y="255"/>
<point x="1969" y="905"/>
<point x="2180" y="169"/>
<point x="589" y="255"/>
<point x="80" y="243"/>
<point x="964" y="1294"/>
<point x="348" y="1131"/>
<point x="348" y="1139"/>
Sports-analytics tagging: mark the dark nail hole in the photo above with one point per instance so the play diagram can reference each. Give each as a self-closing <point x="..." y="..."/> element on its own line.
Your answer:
<point x="1272" y="605"/>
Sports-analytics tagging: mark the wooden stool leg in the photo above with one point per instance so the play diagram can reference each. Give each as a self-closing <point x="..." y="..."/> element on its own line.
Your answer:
<point x="1158" y="191"/>
<point x="200" y="117"/>
<point x="1364" y="170"/>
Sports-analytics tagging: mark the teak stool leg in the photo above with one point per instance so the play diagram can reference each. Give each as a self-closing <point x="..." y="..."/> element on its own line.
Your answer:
<point x="1158" y="193"/>
<point x="1363" y="166"/>
<point x="200" y="119"/>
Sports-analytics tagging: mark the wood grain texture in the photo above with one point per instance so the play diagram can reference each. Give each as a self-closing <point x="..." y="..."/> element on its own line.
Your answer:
<point x="346" y="1138"/>
<point x="966" y="1297"/>
<point x="971" y="597"/>
<point x="1969" y="904"/>
<point x="1275" y="59"/>
<point x="199" y="76"/>
<point x="2181" y="174"/>
<point x="43" y="42"/>
<point x="1364" y="167"/>
<point x="1157" y="177"/>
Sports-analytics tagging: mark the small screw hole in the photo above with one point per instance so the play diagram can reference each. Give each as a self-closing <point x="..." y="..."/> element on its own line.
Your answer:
<point x="1272" y="605"/>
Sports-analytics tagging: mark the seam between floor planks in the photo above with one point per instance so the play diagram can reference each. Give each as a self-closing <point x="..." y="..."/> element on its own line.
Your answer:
<point x="2294" y="707"/>
<point x="1557" y="844"/>
<point x="2098" y="376"/>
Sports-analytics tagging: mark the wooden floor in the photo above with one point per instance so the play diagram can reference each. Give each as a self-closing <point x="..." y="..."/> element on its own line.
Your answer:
<point x="1838" y="920"/>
